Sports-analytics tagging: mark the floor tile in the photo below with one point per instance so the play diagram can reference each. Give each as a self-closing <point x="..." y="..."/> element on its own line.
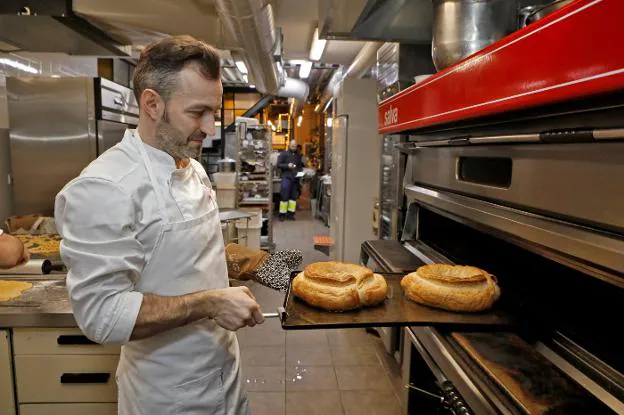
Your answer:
<point x="351" y="337"/>
<point x="273" y="358"/>
<point x="267" y="334"/>
<point x="263" y="356"/>
<point x="313" y="403"/>
<point x="355" y="356"/>
<point x="310" y="378"/>
<point x="308" y="356"/>
<point x="362" y="378"/>
<point x="306" y="338"/>
<point x="267" y="403"/>
<point x="392" y="368"/>
<point x="370" y="403"/>
<point x="264" y="378"/>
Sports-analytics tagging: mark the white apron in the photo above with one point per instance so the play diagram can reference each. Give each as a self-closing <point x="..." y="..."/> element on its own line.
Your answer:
<point x="192" y="369"/>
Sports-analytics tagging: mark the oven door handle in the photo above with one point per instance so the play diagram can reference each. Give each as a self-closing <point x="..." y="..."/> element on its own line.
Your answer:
<point x="428" y="394"/>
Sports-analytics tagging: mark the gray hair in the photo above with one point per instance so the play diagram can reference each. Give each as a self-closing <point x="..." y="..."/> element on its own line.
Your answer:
<point x="161" y="62"/>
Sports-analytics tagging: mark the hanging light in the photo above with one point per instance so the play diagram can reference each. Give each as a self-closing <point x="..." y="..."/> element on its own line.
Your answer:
<point x="318" y="47"/>
<point x="305" y="69"/>
<point x="18" y="65"/>
<point x="241" y="67"/>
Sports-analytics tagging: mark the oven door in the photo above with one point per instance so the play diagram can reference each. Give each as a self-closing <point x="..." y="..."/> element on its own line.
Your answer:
<point x="564" y="355"/>
<point x="435" y="382"/>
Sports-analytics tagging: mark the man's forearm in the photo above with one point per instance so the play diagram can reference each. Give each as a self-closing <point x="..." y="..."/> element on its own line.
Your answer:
<point x="158" y="313"/>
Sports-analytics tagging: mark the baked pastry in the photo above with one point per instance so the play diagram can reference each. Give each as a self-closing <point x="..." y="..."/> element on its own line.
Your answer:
<point x="46" y="244"/>
<point x="336" y="286"/>
<point x="452" y="287"/>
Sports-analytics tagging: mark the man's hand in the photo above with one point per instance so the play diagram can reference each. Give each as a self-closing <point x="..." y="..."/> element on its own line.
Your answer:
<point x="235" y="308"/>
<point x="291" y="165"/>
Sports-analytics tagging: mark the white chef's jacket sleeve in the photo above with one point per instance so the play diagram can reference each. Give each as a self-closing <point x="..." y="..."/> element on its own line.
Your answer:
<point x="96" y="219"/>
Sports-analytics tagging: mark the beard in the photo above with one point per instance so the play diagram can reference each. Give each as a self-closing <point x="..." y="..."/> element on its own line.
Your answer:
<point x="176" y="143"/>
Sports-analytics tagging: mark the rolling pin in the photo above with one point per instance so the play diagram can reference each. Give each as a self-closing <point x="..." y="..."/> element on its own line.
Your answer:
<point x="32" y="267"/>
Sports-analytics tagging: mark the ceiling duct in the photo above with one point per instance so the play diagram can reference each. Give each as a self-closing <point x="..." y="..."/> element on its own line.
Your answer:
<point x="298" y="91"/>
<point x="295" y="88"/>
<point x="52" y="26"/>
<point x="252" y="24"/>
<point x="330" y="90"/>
<point x="363" y="61"/>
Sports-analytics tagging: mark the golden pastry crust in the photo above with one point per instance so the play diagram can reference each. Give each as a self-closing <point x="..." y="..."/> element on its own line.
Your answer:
<point x="336" y="286"/>
<point x="456" y="274"/>
<point x="332" y="271"/>
<point x="452" y="287"/>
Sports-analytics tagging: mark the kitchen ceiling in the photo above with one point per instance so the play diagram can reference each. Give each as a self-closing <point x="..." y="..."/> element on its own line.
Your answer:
<point x="139" y="22"/>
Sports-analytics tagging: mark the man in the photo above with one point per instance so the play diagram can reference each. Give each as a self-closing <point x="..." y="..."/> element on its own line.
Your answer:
<point x="12" y="251"/>
<point x="143" y="246"/>
<point x="289" y="164"/>
<point x="300" y="162"/>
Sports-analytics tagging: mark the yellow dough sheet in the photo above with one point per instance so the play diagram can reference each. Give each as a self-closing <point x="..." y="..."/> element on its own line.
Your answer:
<point x="13" y="289"/>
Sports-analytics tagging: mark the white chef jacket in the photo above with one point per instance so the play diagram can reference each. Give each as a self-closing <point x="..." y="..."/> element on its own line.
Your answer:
<point x="109" y="220"/>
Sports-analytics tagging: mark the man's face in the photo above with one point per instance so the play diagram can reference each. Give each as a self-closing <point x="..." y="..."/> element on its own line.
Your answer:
<point x="293" y="146"/>
<point x="189" y="114"/>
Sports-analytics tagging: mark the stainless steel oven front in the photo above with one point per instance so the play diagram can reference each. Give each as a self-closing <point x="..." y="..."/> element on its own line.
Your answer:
<point x="546" y="219"/>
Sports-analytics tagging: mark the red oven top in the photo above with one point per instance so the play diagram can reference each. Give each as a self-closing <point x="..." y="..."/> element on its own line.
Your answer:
<point x="576" y="51"/>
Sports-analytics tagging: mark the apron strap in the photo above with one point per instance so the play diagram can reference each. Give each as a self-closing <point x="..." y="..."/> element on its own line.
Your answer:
<point x="213" y="202"/>
<point x="150" y="173"/>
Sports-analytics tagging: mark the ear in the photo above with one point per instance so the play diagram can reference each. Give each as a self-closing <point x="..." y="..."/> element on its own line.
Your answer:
<point x="153" y="104"/>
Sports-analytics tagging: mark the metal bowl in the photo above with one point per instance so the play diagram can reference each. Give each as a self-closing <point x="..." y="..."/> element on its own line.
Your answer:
<point x="464" y="27"/>
<point x="532" y="14"/>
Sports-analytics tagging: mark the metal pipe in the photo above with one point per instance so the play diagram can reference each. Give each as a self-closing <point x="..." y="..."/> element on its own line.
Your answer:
<point x="295" y="88"/>
<point x="366" y="57"/>
<point x="252" y="25"/>
<point x="330" y="90"/>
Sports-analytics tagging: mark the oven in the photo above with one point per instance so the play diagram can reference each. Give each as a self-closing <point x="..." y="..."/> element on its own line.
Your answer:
<point x="516" y="165"/>
<point x="546" y="217"/>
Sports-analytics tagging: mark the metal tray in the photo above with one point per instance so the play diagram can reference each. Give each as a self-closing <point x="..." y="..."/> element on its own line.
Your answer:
<point x="396" y="311"/>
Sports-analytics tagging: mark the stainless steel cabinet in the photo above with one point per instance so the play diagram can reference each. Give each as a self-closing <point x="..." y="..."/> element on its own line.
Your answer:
<point x="7" y="396"/>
